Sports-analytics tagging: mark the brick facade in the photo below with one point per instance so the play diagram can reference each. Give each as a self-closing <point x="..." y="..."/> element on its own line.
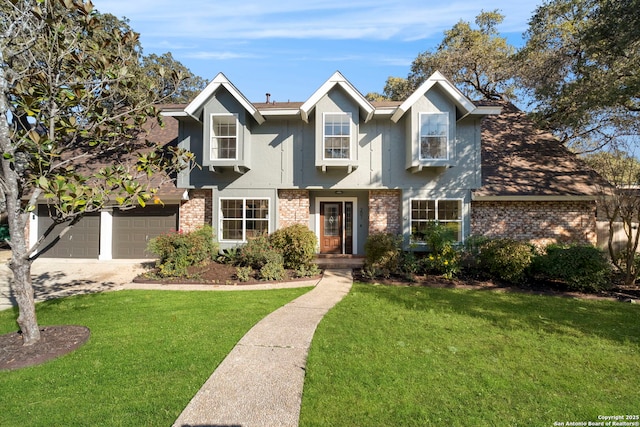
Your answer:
<point x="385" y="211"/>
<point x="540" y="223"/>
<point x="293" y="207"/>
<point x="196" y="211"/>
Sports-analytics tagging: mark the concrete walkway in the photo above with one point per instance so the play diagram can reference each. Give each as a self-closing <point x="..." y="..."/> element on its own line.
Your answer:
<point x="260" y="381"/>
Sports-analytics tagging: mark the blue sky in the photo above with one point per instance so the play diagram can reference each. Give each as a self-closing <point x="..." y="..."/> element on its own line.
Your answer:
<point x="289" y="48"/>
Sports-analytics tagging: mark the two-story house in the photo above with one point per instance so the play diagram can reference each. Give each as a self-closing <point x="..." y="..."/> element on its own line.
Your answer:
<point x="347" y="167"/>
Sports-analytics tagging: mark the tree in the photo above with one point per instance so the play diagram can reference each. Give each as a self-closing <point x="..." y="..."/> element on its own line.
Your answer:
<point x="477" y="60"/>
<point x="73" y="95"/>
<point x="620" y="204"/>
<point x="580" y="65"/>
<point x="155" y="67"/>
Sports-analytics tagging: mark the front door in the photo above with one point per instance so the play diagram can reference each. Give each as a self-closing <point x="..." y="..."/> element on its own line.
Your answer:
<point x="331" y="227"/>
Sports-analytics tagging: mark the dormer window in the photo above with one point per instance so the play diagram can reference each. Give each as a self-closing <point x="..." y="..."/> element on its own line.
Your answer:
<point x="434" y="136"/>
<point x="337" y="136"/>
<point x="224" y="137"/>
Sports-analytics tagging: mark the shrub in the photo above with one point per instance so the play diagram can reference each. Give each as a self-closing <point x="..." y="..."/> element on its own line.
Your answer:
<point x="307" y="270"/>
<point x="506" y="259"/>
<point x="409" y="264"/>
<point x="273" y="269"/>
<point x="256" y="252"/>
<point x="382" y="252"/>
<point x="443" y="258"/>
<point x="297" y="244"/>
<point x="229" y="256"/>
<point x="446" y="263"/>
<point x="469" y="259"/>
<point x="244" y="273"/>
<point x="581" y="267"/>
<point x="177" y="251"/>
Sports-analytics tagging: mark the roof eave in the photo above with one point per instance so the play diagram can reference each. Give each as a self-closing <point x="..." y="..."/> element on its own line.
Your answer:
<point x="532" y="198"/>
<point x="220" y="80"/>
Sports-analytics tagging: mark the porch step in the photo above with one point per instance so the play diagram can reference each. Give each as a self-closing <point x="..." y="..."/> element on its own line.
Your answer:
<point x="325" y="261"/>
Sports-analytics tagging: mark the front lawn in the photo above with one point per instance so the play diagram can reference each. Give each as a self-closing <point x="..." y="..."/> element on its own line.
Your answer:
<point x="416" y="356"/>
<point x="149" y="353"/>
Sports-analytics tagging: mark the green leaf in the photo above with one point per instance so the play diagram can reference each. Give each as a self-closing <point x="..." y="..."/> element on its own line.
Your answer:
<point x="141" y="202"/>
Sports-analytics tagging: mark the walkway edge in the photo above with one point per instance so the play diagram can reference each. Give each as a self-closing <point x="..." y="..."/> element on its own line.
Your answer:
<point x="260" y="381"/>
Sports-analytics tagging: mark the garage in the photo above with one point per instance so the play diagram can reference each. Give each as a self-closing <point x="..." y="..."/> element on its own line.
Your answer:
<point x="132" y="229"/>
<point x="81" y="241"/>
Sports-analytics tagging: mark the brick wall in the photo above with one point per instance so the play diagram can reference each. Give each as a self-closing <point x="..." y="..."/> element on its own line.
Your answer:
<point x="538" y="222"/>
<point x="196" y="211"/>
<point x="385" y="211"/>
<point x="293" y="207"/>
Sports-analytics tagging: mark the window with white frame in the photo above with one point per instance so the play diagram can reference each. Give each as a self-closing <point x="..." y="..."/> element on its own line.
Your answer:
<point x="434" y="136"/>
<point x="337" y="136"/>
<point x="243" y="219"/>
<point x="447" y="212"/>
<point x="224" y="137"/>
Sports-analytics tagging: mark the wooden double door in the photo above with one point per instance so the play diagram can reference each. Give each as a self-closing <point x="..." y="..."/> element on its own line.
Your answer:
<point x="336" y="227"/>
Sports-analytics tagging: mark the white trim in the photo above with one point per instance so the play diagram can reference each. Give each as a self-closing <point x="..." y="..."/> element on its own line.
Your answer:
<point x="436" y="200"/>
<point x="436" y="78"/>
<point x="106" y="235"/>
<point x="244" y="218"/>
<point x="324" y="135"/>
<point x="212" y="135"/>
<point x="533" y="198"/>
<point x="448" y="148"/>
<point x="221" y="80"/>
<point x="316" y="221"/>
<point x="337" y="79"/>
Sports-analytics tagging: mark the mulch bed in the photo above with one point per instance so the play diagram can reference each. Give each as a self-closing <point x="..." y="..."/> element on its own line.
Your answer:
<point x="214" y="274"/>
<point x="55" y="341"/>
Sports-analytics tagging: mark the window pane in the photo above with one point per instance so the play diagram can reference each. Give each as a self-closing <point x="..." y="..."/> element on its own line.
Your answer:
<point x="337" y="136"/>
<point x="331" y="220"/>
<point x="423" y="212"/>
<point x="244" y="219"/>
<point x="448" y="210"/>
<point x="223" y="137"/>
<point x="232" y="229"/>
<point x="434" y="136"/>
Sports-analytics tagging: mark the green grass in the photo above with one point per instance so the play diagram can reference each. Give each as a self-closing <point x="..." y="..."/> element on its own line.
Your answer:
<point x="148" y="354"/>
<point x="390" y="356"/>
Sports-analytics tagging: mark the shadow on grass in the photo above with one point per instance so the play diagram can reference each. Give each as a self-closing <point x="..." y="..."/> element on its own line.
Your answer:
<point x="606" y="319"/>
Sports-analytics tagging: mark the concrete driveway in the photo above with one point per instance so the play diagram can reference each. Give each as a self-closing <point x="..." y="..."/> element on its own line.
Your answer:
<point x="56" y="278"/>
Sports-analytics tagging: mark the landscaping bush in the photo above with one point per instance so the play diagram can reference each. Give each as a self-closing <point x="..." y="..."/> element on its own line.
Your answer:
<point x="506" y="259"/>
<point x="297" y="244"/>
<point x="177" y="251"/>
<point x="244" y="273"/>
<point x="307" y="270"/>
<point x="443" y="258"/>
<point x="256" y="252"/>
<point x="581" y="267"/>
<point x="469" y="259"/>
<point x="229" y="256"/>
<point x="382" y="252"/>
<point x="273" y="269"/>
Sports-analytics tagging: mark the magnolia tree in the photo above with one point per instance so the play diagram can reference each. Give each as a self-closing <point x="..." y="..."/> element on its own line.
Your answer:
<point x="73" y="95"/>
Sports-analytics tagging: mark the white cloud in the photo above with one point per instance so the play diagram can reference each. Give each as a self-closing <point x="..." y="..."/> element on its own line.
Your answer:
<point x="318" y="19"/>
<point x="218" y="55"/>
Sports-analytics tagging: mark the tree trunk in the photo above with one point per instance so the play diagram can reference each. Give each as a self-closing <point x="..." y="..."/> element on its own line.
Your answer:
<point x="20" y="262"/>
<point x="23" y="290"/>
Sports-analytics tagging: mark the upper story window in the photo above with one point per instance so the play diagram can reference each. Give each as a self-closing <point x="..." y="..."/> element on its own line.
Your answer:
<point x="425" y="211"/>
<point x="434" y="136"/>
<point x="337" y="136"/>
<point x="224" y="137"/>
